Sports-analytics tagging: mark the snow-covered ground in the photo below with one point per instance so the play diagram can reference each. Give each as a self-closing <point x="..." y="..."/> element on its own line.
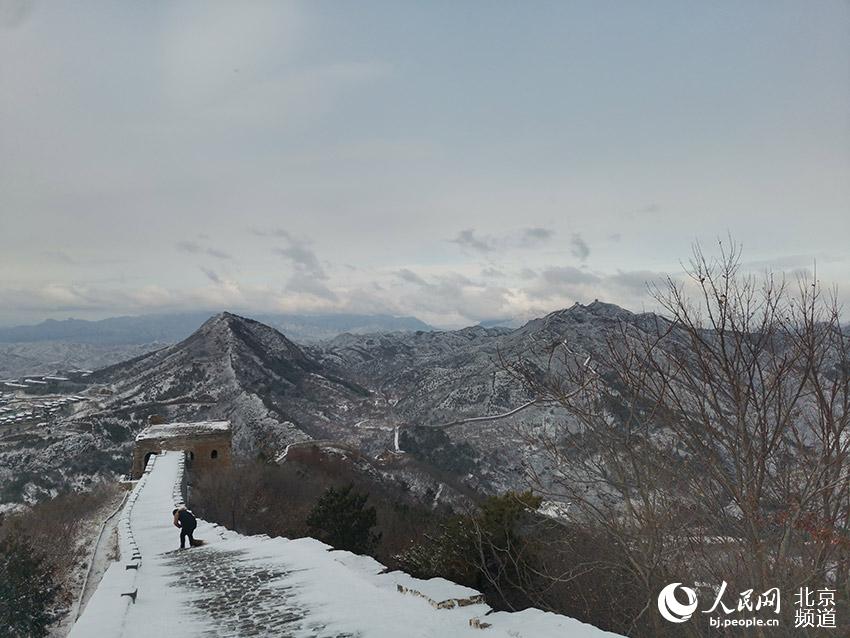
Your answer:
<point x="238" y="585"/>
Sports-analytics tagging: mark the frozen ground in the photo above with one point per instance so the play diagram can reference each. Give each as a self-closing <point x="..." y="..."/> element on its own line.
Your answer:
<point x="270" y="587"/>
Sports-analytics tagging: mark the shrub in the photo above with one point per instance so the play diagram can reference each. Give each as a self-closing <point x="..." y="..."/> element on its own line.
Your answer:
<point x="341" y="519"/>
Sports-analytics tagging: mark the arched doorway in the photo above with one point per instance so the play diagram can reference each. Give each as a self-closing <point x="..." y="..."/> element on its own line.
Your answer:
<point x="148" y="458"/>
<point x="214" y="454"/>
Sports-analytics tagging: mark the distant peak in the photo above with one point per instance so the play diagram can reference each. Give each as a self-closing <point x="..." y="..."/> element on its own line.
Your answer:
<point x="595" y="309"/>
<point x="225" y="317"/>
<point x="222" y="321"/>
<point x="600" y="307"/>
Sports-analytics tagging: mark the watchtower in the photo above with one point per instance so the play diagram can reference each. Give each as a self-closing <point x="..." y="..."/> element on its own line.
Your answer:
<point x="207" y="444"/>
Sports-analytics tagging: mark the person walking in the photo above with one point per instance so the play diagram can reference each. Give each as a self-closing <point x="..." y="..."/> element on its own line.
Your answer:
<point x="186" y="521"/>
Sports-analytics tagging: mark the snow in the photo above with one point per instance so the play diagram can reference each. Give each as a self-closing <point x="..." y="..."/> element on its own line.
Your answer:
<point x="555" y="509"/>
<point x="255" y="585"/>
<point x="173" y="430"/>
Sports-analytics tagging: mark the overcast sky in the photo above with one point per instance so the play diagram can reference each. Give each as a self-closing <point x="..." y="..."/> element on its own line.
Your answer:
<point x="454" y="160"/>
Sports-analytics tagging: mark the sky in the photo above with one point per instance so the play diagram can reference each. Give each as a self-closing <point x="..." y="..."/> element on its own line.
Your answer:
<point x="454" y="160"/>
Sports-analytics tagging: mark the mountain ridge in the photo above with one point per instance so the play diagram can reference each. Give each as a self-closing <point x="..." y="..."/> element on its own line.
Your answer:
<point x="240" y="369"/>
<point x="172" y="327"/>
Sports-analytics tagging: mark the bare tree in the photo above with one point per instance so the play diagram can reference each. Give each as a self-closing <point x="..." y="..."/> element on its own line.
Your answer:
<point x="711" y="443"/>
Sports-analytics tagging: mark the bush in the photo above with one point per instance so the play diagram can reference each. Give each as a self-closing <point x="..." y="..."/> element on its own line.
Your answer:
<point x="27" y="589"/>
<point x="341" y="519"/>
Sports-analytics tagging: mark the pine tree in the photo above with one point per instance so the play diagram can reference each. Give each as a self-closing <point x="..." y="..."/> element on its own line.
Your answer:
<point x="341" y="519"/>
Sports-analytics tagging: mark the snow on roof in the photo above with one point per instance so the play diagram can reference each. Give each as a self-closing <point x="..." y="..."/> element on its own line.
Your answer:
<point x="268" y="587"/>
<point x="173" y="430"/>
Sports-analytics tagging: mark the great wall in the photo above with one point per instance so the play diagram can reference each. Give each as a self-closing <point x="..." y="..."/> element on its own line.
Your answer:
<point x="236" y="585"/>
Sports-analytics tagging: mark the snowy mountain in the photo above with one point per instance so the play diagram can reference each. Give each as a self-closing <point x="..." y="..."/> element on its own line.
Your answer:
<point x="354" y="392"/>
<point x="431" y="379"/>
<point x="53" y="346"/>
<point x="356" y="389"/>
<point x="170" y="328"/>
<point x="241" y="370"/>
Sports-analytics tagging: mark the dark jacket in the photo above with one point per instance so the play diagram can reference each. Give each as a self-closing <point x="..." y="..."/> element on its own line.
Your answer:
<point x="187" y="519"/>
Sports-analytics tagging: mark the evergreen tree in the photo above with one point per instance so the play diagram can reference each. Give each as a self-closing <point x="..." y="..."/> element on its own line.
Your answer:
<point x="487" y="549"/>
<point x="27" y="589"/>
<point x="340" y="518"/>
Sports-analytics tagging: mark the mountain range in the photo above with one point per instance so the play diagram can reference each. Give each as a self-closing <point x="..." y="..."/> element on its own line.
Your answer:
<point x="354" y="392"/>
<point x="54" y="345"/>
<point x="169" y="328"/>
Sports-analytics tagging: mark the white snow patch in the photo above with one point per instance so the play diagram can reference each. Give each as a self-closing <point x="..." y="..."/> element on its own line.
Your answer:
<point x="173" y="430"/>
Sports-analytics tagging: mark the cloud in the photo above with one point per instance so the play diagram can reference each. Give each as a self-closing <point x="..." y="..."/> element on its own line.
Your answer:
<point x="579" y="247"/>
<point x="633" y="282"/>
<point x="530" y="237"/>
<point x="409" y="276"/>
<point x="270" y="232"/>
<point x="219" y="254"/>
<point x="788" y="263"/>
<point x="66" y="259"/>
<point x="194" y="248"/>
<point x="537" y="235"/>
<point x="308" y="274"/>
<point x="212" y="275"/>
<point x="468" y="239"/>
<point x="450" y="297"/>
<point x="303" y="259"/>
<point x="13" y="13"/>
<point x="560" y="286"/>
<point x="566" y="275"/>
<point x="190" y="247"/>
<point x="527" y="273"/>
<point x="304" y="282"/>
<point x="492" y="273"/>
<point x="62" y="257"/>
